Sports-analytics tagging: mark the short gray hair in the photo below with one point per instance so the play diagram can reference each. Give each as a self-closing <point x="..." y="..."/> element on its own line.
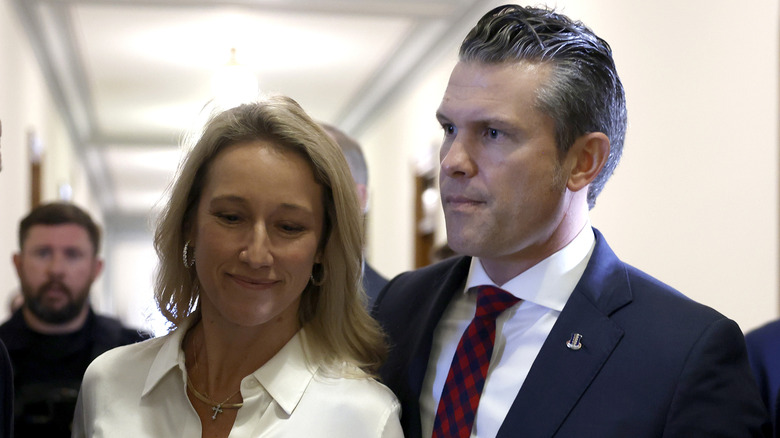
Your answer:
<point x="584" y="93"/>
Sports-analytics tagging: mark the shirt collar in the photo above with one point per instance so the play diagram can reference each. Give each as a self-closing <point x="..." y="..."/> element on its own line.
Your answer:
<point x="286" y="376"/>
<point x="170" y="356"/>
<point x="550" y="282"/>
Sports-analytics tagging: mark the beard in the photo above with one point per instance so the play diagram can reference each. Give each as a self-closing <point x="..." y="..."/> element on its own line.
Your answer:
<point x="36" y="304"/>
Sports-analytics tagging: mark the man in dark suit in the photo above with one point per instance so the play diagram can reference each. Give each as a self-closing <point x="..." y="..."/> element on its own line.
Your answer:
<point x="541" y="330"/>
<point x="373" y="281"/>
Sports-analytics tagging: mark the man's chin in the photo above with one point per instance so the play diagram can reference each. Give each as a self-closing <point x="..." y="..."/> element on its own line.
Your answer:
<point x="54" y="302"/>
<point x="55" y="314"/>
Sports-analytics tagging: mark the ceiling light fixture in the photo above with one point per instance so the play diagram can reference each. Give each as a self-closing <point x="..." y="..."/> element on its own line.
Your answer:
<point x="233" y="83"/>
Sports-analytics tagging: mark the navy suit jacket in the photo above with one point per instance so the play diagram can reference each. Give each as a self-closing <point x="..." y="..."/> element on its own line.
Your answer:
<point x="777" y="415"/>
<point x="763" y="345"/>
<point x="653" y="363"/>
<point x="373" y="282"/>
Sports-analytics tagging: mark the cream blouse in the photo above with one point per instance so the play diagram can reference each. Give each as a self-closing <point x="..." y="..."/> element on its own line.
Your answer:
<point x="139" y="390"/>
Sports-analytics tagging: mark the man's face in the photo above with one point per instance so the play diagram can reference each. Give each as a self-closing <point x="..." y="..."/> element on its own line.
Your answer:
<point x="56" y="267"/>
<point x="503" y="187"/>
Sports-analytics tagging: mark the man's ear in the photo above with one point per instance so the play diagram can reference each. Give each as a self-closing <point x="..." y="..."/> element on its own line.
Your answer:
<point x="97" y="267"/>
<point x="362" y="192"/>
<point x="17" y="258"/>
<point x="586" y="158"/>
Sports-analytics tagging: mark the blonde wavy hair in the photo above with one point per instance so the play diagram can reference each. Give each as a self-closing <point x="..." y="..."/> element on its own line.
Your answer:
<point x="338" y="327"/>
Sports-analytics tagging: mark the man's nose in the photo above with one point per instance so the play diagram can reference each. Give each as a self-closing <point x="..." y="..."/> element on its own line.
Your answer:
<point x="456" y="160"/>
<point x="57" y="265"/>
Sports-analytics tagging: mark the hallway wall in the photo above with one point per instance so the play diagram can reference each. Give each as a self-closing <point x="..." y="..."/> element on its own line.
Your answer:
<point x="694" y="201"/>
<point x="26" y="106"/>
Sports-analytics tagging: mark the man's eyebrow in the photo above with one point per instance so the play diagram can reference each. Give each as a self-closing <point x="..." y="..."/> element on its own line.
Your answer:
<point x="441" y="117"/>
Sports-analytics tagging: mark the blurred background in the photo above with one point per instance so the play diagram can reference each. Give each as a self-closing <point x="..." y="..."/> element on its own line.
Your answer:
<point x="98" y="96"/>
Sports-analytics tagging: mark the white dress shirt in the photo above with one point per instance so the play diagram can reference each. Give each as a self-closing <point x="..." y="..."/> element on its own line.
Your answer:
<point x="520" y="332"/>
<point x="140" y="390"/>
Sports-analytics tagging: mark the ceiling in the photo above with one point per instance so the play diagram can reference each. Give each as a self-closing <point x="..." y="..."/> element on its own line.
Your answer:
<point x="131" y="77"/>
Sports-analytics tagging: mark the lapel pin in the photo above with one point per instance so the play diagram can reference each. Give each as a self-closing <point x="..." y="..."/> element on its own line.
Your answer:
<point x="575" y="342"/>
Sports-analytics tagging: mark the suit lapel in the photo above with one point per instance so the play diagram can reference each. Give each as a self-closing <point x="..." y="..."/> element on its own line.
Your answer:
<point x="416" y="324"/>
<point x="452" y="283"/>
<point x="559" y="375"/>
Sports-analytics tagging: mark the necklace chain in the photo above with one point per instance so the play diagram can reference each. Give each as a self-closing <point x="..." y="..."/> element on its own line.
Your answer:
<point x="215" y="406"/>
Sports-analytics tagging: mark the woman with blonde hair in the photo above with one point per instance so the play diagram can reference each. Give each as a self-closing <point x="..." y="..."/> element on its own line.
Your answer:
<point x="260" y="251"/>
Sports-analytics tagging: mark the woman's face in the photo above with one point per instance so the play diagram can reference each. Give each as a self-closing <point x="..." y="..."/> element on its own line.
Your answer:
<point x="256" y="237"/>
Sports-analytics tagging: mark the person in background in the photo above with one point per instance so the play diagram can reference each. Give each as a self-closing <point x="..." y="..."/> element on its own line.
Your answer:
<point x="539" y="330"/>
<point x="373" y="281"/>
<point x="6" y="375"/>
<point x="55" y="334"/>
<point x="763" y="347"/>
<point x="260" y="251"/>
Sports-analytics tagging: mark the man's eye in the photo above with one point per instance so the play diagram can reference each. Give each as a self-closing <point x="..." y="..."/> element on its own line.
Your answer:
<point x="493" y="133"/>
<point x="43" y="252"/>
<point x="73" y="254"/>
<point x="448" y="128"/>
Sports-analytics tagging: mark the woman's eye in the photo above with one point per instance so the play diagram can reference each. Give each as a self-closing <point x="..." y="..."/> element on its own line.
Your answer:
<point x="228" y="217"/>
<point x="493" y="133"/>
<point x="291" y="228"/>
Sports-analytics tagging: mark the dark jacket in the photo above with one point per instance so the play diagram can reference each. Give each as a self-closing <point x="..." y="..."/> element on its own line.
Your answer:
<point x="763" y="345"/>
<point x="653" y="363"/>
<point x="6" y="394"/>
<point x="48" y="369"/>
<point x="373" y="282"/>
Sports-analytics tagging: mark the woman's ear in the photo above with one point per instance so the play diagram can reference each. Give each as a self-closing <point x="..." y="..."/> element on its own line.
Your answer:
<point x="586" y="158"/>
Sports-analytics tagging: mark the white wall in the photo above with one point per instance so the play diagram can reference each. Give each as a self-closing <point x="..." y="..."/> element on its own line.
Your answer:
<point x="695" y="199"/>
<point x="392" y="146"/>
<point x="134" y="297"/>
<point x="25" y="105"/>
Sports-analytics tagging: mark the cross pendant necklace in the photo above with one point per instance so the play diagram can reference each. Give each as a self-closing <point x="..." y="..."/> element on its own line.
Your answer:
<point x="215" y="406"/>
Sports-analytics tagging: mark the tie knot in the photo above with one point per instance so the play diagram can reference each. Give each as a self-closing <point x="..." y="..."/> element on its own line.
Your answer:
<point x="491" y="301"/>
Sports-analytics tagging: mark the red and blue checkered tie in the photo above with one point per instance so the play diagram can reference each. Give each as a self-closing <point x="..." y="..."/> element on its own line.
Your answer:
<point x="460" y="395"/>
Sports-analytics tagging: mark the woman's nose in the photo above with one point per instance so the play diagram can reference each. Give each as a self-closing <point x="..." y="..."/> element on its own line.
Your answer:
<point x="257" y="252"/>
